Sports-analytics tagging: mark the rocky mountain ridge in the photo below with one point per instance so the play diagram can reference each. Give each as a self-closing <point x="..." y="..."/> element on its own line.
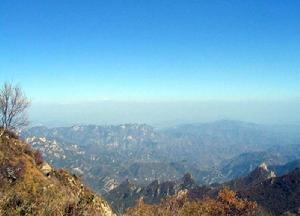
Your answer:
<point x="127" y="193"/>
<point x="273" y="193"/>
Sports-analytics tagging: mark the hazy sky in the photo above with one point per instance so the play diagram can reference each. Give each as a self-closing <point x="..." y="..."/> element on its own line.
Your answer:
<point x="158" y="51"/>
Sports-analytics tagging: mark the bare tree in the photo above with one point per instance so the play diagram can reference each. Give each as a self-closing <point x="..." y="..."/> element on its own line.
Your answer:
<point x="13" y="107"/>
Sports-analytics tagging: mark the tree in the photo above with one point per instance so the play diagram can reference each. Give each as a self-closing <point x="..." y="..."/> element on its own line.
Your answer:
<point x="13" y="107"/>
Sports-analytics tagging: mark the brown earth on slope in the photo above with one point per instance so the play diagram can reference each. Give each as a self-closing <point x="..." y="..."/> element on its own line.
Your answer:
<point x="29" y="186"/>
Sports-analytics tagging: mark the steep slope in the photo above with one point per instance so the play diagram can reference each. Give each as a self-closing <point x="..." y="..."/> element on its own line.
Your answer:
<point x="258" y="175"/>
<point x="278" y="194"/>
<point x="29" y="186"/>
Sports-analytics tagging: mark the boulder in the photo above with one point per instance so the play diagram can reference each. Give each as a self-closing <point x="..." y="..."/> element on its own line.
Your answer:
<point x="46" y="168"/>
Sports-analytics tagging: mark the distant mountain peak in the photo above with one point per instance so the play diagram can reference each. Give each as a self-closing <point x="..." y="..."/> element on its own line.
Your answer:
<point x="188" y="181"/>
<point x="260" y="174"/>
<point x="263" y="166"/>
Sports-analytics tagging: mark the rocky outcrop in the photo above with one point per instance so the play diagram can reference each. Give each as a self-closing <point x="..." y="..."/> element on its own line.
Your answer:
<point x="258" y="175"/>
<point x="46" y="168"/>
<point x="31" y="189"/>
<point x="127" y="193"/>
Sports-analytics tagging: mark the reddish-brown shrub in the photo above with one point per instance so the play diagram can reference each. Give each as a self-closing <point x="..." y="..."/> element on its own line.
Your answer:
<point x="28" y="150"/>
<point x="71" y="210"/>
<point x="38" y="157"/>
<point x="9" y="133"/>
<point x="11" y="172"/>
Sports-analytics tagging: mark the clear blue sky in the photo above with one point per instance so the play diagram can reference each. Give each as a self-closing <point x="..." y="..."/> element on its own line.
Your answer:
<point x="64" y="51"/>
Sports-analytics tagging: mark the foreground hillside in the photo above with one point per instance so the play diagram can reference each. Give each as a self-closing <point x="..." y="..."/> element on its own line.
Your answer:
<point x="29" y="186"/>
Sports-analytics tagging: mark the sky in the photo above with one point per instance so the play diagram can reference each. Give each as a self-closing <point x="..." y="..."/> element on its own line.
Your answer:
<point x="172" y="56"/>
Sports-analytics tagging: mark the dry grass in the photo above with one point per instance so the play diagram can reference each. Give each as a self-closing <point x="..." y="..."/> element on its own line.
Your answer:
<point x="25" y="190"/>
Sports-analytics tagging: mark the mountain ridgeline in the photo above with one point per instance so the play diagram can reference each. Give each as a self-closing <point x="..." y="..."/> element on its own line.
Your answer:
<point x="275" y="195"/>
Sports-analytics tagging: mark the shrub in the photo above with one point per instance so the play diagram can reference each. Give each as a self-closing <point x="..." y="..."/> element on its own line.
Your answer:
<point x="71" y="209"/>
<point x="11" y="172"/>
<point x="9" y="134"/>
<point x="27" y="149"/>
<point x="38" y="157"/>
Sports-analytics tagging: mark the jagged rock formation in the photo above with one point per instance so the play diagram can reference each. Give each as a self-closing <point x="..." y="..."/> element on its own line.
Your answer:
<point x="127" y="193"/>
<point x="277" y="194"/>
<point x="258" y="175"/>
<point x="274" y="195"/>
<point x="32" y="187"/>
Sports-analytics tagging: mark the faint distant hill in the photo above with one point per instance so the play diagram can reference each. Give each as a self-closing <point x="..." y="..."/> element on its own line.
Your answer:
<point x="285" y="168"/>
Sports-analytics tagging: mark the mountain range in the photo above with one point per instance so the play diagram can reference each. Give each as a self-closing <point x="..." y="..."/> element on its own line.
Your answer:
<point x="133" y="162"/>
<point x="212" y="152"/>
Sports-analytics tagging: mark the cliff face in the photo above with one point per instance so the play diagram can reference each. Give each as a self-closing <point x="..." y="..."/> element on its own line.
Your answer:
<point x="29" y="186"/>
